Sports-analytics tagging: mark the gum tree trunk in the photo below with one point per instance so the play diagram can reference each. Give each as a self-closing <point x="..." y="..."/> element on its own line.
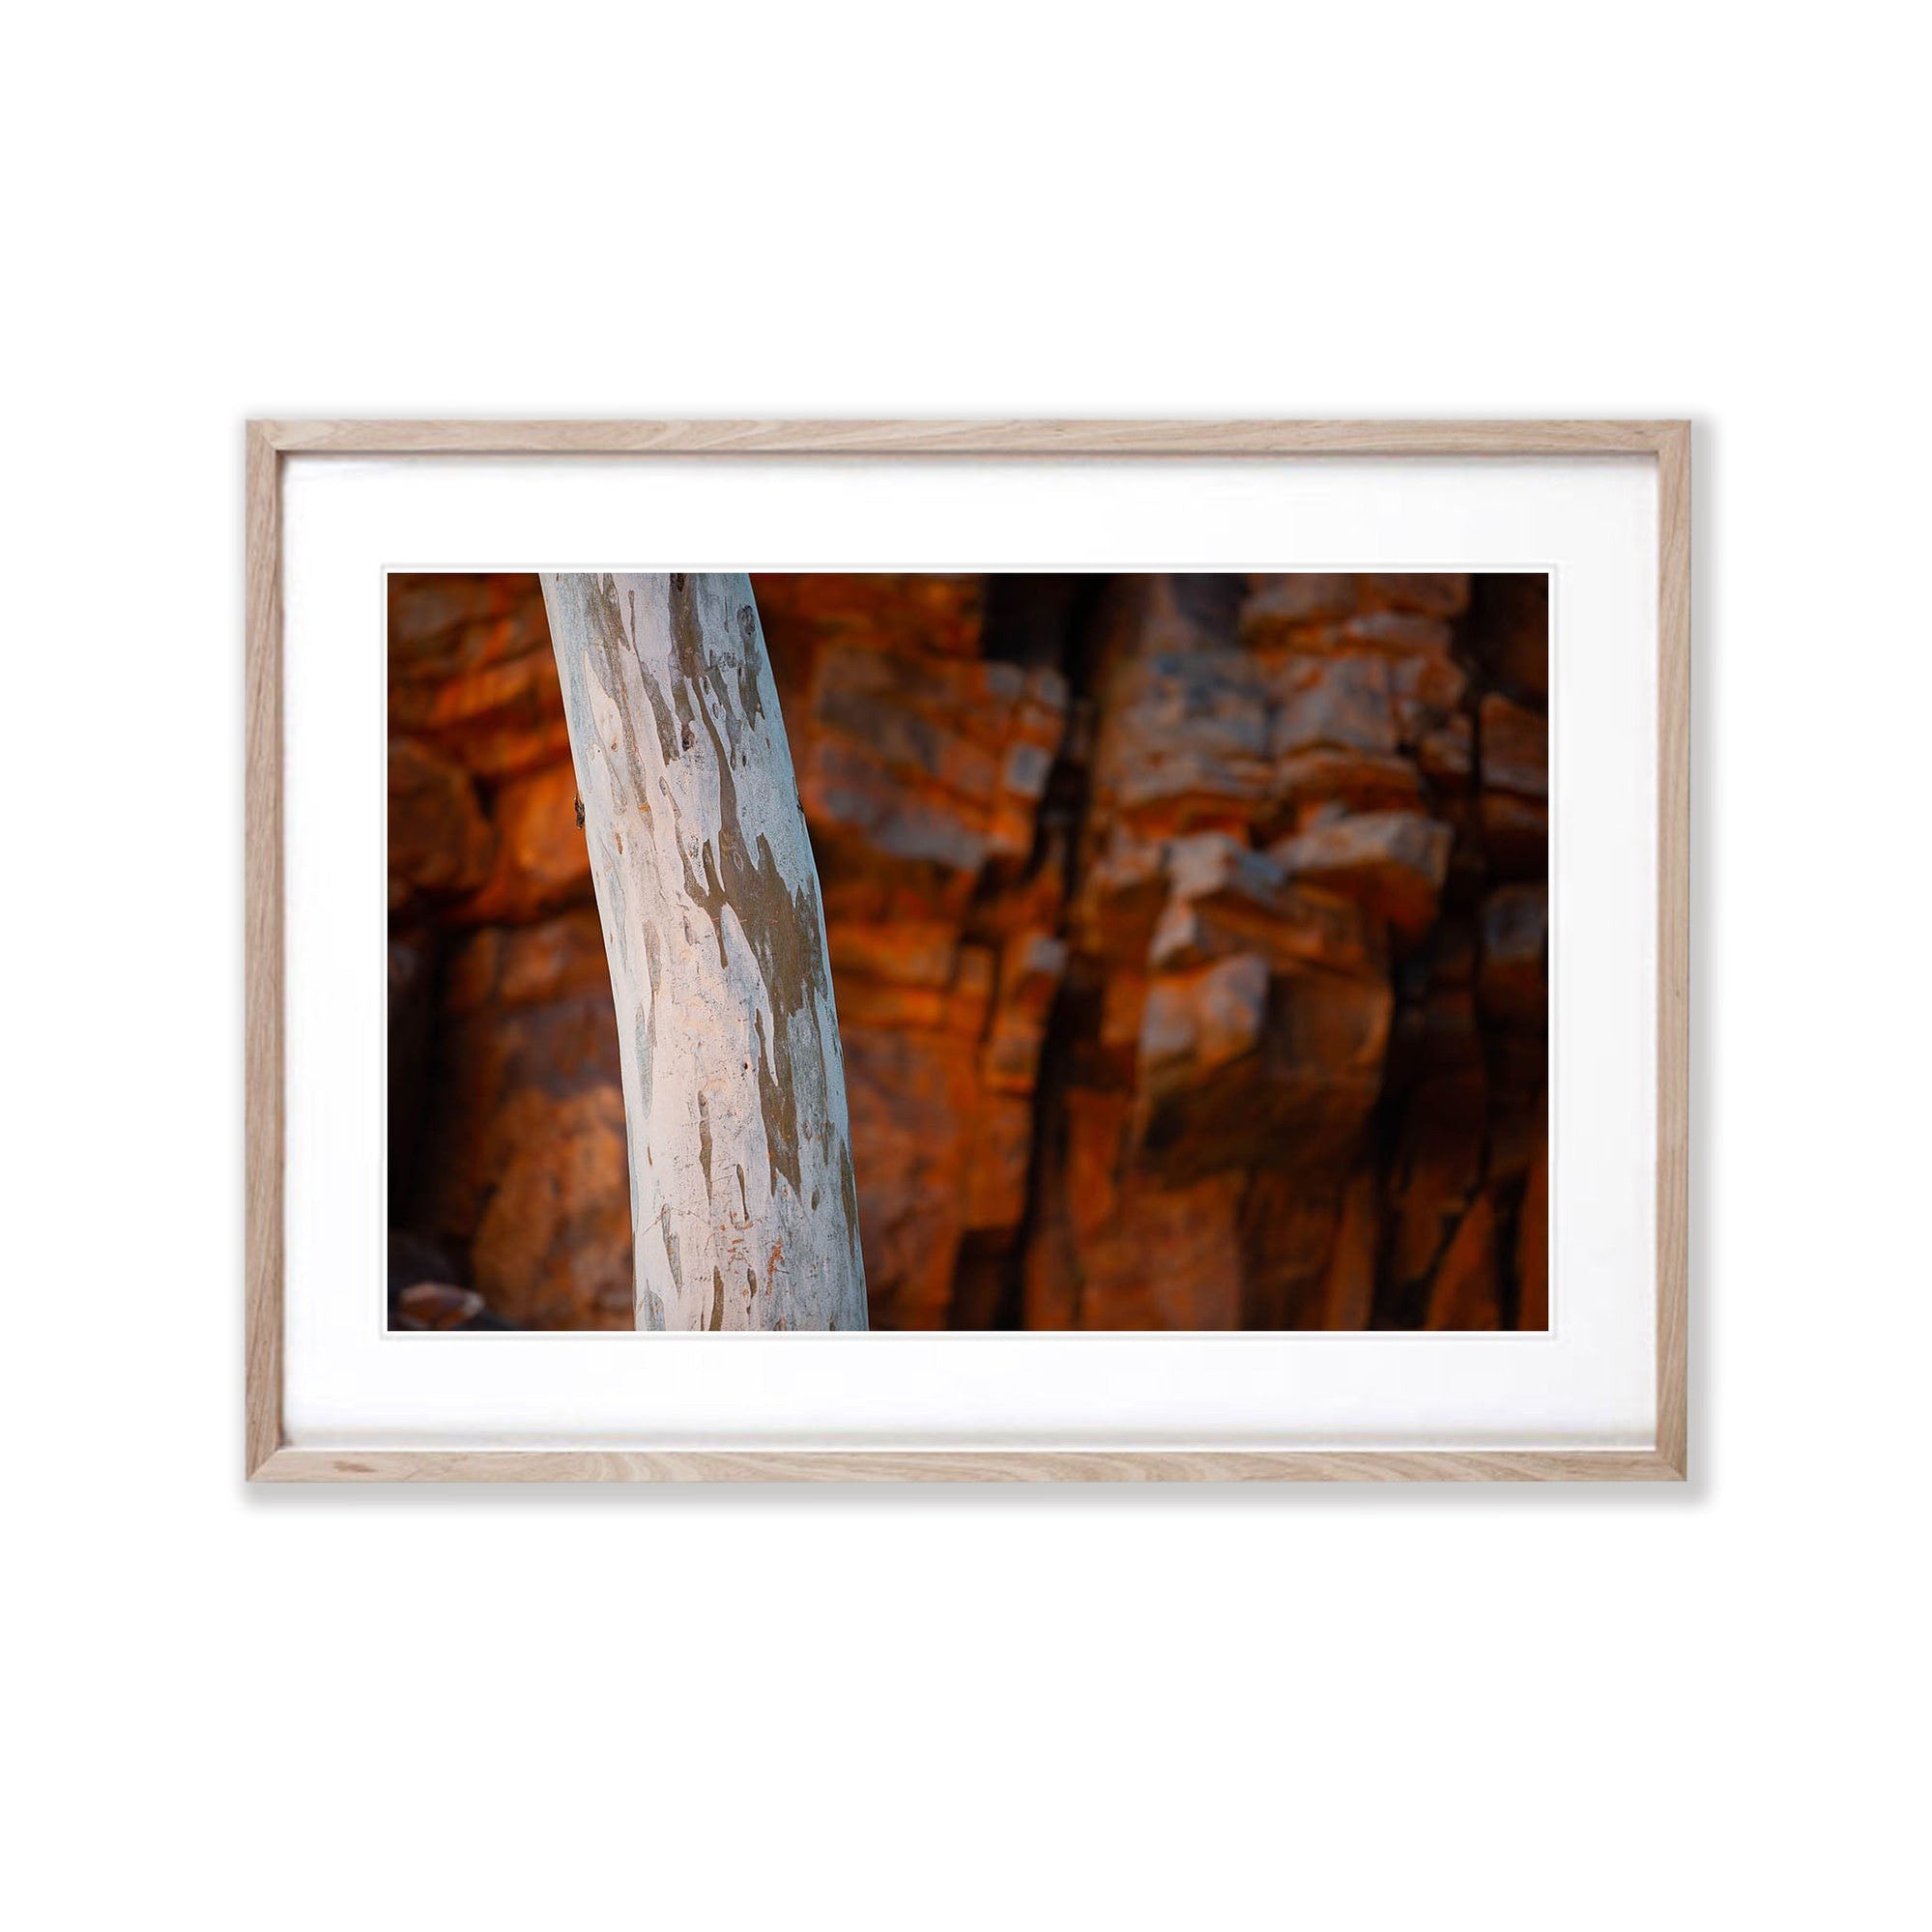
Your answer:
<point x="743" y="1211"/>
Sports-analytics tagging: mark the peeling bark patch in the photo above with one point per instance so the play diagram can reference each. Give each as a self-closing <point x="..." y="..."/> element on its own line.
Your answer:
<point x="717" y="1321"/>
<point x="850" y="1189"/>
<point x="629" y="634"/>
<point x="704" y="1140"/>
<point x="653" y="962"/>
<point x="750" y="650"/>
<point x="785" y="926"/>
<point x="710" y="895"/>
<point x="661" y="718"/>
<point x="778" y="1104"/>
<point x="614" y="636"/>
<point x="643" y="1047"/>
<point x="671" y="1246"/>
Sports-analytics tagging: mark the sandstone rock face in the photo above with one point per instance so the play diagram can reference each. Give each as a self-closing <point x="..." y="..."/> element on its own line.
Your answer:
<point x="1188" y="937"/>
<point x="524" y="1171"/>
<point x="508" y="1147"/>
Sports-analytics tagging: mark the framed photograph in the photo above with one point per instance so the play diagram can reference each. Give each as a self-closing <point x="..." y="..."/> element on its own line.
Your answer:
<point x="967" y="950"/>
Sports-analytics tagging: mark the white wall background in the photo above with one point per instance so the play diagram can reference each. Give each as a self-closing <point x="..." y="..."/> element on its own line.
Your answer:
<point x="1330" y="1709"/>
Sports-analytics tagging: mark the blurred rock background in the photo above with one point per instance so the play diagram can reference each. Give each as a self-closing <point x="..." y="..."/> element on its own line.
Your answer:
<point x="1188" y="936"/>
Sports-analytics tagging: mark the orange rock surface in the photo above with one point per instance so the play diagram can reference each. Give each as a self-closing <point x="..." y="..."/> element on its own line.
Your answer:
<point x="1188" y="936"/>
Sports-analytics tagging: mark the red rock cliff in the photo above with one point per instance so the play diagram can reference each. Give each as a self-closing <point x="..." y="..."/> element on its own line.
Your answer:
<point x="1188" y="937"/>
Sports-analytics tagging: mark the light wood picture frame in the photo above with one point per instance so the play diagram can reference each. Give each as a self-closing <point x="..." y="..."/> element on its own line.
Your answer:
<point x="269" y="1455"/>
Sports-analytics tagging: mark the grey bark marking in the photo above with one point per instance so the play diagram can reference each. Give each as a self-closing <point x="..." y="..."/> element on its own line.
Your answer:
<point x="670" y="1244"/>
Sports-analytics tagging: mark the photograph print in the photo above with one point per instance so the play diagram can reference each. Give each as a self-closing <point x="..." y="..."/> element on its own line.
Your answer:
<point x="834" y="952"/>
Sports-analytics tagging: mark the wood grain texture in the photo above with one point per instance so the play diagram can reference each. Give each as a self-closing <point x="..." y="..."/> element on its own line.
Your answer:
<point x="262" y="1326"/>
<point x="951" y="438"/>
<point x="1673" y="948"/>
<point x="270" y="1460"/>
<point x="965" y="1465"/>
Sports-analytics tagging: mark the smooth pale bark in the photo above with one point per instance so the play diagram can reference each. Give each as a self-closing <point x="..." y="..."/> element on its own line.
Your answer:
<point x="743" y="1210"/>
